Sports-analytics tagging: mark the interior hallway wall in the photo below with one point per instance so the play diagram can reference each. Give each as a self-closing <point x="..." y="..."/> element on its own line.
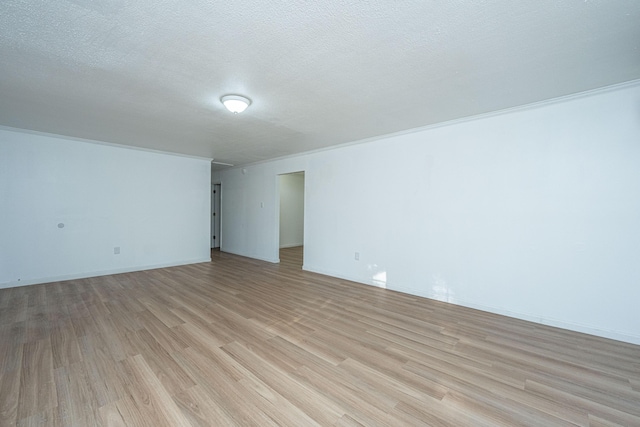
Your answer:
<point x="66" y="205"/>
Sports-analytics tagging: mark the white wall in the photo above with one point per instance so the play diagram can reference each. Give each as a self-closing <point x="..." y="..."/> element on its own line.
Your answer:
<point x="153" y="206"/>
<point x="291" y="210"/>
<point x="533" y="213"/>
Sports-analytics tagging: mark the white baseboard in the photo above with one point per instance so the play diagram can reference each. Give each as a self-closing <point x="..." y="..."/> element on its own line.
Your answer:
<point x="290" y="245"/>
<point x="87" y="274"/>
<point x="334" y="274"/>
<point x="586" y="329"/>
<point x="271" y="260"/>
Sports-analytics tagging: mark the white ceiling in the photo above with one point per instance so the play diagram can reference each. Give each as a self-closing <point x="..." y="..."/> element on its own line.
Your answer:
<point x="150" y="73"/>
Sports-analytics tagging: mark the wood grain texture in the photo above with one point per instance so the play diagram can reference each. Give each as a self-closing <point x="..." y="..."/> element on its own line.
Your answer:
<point x="240" y="342"/>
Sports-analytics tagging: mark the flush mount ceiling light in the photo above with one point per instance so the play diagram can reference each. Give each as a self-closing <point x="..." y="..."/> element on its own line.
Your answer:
<point x="235" y="103"/>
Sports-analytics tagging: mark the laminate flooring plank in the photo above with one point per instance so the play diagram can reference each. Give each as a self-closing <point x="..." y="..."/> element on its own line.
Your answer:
<point x="123" y="335"/>
<point x="391" y="385"/>
<point x="37" y="295"/>
<point x="16" y="302"/>
<point x="148" y="392"/>
<point x="164" y="314"/>
<point x="173" y="378"/>
<point x="591" y="386"/>
<point x="54" y="303"/>
<point x="600" y="422"/>
<point x="525" y="360"/>
<point x="603" y="386"/>
<point x="130" y="302"/>
<point x="347" y="421"/>
<point x="307" y="399"/>
<point x="110" y="334"/>
<point x="11" y="349"/>
<point x="9" y="396"/>
<point x="81" y="319"/>
<point x="592" y="408"/>
<point x="6" y="295"/>
<point x="237" y="326"/>
<point x="124" y="313"/>
<point x="502" y="411"/>
<point x="195" y="312"/>
<point x="76" y="405"/>
<point x="103" y="372"/>
<point x="46" y="417"/>
<point x="166" y="337"/>
<point x="130" y="412"/>
<point x="110" y="416"/>
<point x="560" y="355"/>
<point x="272" y="404"/>
<point x="201" y="410"/>
<point x="37" y="323"/>
<point x="351" y="396"/>
<point x="441" y="415"/>
<point x="64" y="344"/>
<point x="321" y="349"/>
<point x="291" y="331"/>
<point x="284" y="355"/>
<point x="422" y="349"/>
<point x="12" y="336"/>
<point x="487" y="391"/>
<point x="218" y="375"/>
<point x="199" y="337"/>
<point x="37" y="385"/>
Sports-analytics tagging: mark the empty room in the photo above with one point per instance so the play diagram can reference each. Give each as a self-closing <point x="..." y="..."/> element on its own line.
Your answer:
<point x="269" y="213"/>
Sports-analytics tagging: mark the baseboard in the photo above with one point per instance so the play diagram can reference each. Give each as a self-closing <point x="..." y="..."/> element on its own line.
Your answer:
<point x="576" y="327"/>
<point x="271" y="260"/>
<point x="291" y="245"/>
<point x="337" y="275"/>
<point x="85" y="275"/>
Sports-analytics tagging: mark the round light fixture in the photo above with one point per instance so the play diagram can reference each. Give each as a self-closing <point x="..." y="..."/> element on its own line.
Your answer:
<point x="235" y="103"/>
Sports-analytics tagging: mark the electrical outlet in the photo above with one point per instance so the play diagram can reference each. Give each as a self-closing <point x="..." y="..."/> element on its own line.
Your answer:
<point x="357" y="256"/>
<point x="116" y="250"/>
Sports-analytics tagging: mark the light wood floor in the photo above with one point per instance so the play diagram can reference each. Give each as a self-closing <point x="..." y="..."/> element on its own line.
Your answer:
<point x="243" y="342"/>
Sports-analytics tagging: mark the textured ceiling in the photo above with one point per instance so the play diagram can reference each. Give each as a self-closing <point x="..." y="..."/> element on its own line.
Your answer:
<point x="150" y="73"/>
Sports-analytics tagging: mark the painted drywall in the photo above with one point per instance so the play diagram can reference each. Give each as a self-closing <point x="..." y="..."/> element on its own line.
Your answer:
<point x="291" y="210"/>
<point x="66" y="204"/>
<point x="532" y="213"/>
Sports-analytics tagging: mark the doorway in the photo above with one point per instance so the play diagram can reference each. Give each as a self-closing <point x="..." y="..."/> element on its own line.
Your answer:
<point x="215" y="216"/>
<point x="291" y="234"/>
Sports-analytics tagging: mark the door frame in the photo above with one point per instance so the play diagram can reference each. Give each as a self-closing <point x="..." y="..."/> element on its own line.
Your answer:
<point x="278" y="213"/>
<point x="216" y="232"/>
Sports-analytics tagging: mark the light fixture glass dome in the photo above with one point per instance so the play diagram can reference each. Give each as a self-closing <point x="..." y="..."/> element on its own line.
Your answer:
<point x="235" y="103"/>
